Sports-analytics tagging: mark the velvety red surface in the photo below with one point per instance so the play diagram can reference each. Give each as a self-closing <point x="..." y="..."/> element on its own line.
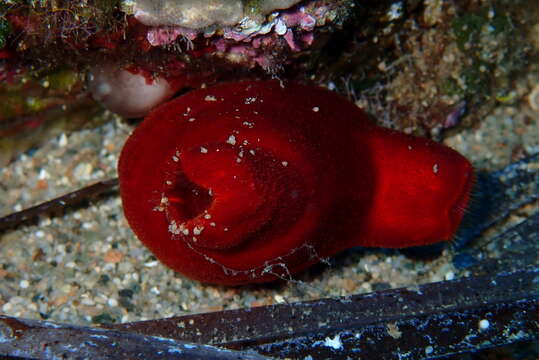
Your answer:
<point x="251" y="181"/>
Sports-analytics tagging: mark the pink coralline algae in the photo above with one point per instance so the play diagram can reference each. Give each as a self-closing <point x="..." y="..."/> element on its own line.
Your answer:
<point x="250" y="38"/>
<point x="300" y="18"/>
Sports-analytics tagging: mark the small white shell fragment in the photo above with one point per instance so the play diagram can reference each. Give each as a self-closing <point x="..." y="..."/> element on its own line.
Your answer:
<point x="484" y="324"/>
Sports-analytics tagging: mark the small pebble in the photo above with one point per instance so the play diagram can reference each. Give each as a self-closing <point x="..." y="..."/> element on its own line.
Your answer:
<point x="113" y="256"/>
<point x="484" y="324"/>
<point x="82" y="171"/>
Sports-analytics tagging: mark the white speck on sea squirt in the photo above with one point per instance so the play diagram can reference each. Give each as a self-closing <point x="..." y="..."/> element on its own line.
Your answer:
<point x="231" y="140"/>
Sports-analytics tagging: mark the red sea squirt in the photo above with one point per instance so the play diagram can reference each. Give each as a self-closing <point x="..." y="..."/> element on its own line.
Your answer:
<point x="253" y="181"/>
